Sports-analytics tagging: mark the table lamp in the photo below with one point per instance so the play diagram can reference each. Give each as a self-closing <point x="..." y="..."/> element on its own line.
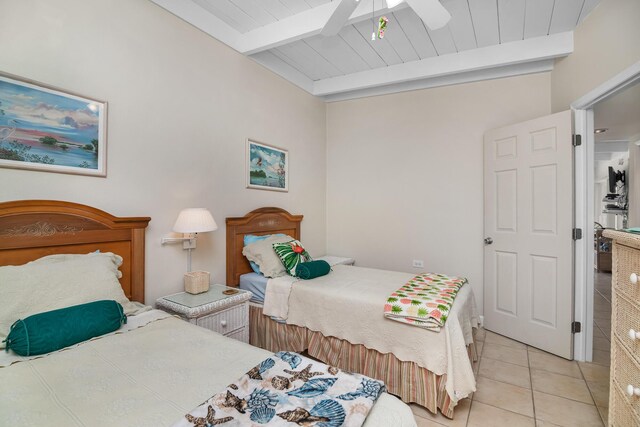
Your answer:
<point x="190" y="222"/>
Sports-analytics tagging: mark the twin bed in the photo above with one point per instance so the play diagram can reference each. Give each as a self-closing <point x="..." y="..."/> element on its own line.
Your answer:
<point x="338" y="319"/>
<point x="158" y="368"/>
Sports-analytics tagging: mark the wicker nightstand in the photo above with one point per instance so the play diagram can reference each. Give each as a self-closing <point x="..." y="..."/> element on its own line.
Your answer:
<point x="225" y="314"/>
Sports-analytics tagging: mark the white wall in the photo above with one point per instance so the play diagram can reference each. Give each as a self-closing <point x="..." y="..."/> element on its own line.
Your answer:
<point x="180" y="107"/>
<point x="405" y="173"/>
<point x="606" y="43"/>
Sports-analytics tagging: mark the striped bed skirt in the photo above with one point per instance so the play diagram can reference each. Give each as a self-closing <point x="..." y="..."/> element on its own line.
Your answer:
<point x="407" y="380"/>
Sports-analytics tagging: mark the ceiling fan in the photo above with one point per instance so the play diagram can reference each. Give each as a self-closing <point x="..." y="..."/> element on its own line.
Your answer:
<point x="431" y="12"/>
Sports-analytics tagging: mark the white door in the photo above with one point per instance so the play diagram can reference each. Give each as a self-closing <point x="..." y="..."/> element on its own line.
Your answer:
<point x="528" y="220"/>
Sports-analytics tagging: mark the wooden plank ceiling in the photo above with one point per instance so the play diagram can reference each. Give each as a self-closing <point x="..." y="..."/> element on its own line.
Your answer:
<point x="483" y="35"/>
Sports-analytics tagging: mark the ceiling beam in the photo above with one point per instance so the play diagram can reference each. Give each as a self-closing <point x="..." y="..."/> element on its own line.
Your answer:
<point x="518" y="52"/>
<point x="342" y="13"/>
<point x="203" y="20"/>
<point x="302" y="25"/>
<point x="452" y="79"/>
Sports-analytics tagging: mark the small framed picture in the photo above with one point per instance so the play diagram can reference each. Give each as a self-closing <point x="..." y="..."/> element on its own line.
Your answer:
<point x="267" y="167"/>
<point x="51" y="130"/>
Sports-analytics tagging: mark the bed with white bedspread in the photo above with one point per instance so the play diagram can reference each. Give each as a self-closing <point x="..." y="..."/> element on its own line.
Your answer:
<point x="346" y="304"/>
<point x="339" y="319"/>
<point x="150" y="374"/>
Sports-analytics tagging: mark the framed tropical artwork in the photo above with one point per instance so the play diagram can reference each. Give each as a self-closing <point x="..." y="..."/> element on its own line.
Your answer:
<point x="267" y="167"/>
<point x="47" y="129"/>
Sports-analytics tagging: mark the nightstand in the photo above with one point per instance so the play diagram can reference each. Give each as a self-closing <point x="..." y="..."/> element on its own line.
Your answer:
<point x="336" y="260"/>
<point x="225" y="314"/>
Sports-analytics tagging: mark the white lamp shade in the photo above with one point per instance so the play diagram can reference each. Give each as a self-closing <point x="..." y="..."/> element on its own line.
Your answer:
<point x="195" y="220"/>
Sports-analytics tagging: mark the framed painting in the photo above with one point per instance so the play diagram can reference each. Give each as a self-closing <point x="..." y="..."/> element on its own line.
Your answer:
<point x="47" y="129"/>
<point x="267" y="167"/>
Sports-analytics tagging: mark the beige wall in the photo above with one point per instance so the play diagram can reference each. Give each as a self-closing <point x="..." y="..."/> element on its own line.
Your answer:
<point x="180" y="107"/>
<point x="405" y="173"/>
<point x="606" y="43"/>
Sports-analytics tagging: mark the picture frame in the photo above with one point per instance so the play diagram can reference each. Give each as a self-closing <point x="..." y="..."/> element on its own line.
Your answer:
<point x="43" y="128"/>
<point x="267" y="167"/>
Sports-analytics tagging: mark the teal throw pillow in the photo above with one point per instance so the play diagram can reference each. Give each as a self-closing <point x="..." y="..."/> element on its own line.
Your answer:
<point x="53" y="330"/>
<point x="312" y="269"/>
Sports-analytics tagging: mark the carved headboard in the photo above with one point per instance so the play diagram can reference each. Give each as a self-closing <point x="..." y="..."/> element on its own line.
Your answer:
<point x="31" y="229"/>
<point x="259" y="222"/>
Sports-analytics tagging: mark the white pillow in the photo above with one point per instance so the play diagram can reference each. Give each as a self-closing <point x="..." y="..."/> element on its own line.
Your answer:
<point x="265" y="257"/>
<point x="53" y="259"/>
<point x="59" y="281"/>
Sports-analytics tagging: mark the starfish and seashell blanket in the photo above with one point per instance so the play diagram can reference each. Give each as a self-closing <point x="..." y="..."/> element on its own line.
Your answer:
<point x="288" y="389"/>
<point x="424" y="301"/>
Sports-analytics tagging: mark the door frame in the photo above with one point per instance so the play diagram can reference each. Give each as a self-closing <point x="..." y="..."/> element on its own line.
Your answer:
<point x="583" y="203"/>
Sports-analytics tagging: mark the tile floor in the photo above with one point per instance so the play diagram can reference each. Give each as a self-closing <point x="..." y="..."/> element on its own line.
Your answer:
<point x="602" y="318"/>
<point x="520" y="385"/>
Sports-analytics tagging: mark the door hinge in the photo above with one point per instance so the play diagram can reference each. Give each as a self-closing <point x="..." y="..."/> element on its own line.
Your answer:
<point x="576" y="327"/>
<point x="577" y="233"/>
<point x="577" y="140"/>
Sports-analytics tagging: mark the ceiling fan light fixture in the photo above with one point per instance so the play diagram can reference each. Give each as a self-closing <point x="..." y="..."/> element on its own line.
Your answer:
<point x="393" y="3"/>
<point x="432" y="12"/>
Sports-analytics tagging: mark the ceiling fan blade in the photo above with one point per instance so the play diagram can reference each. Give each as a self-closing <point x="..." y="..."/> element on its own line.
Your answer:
<point x="340" y="17"/>
<point x="431" y="12"/>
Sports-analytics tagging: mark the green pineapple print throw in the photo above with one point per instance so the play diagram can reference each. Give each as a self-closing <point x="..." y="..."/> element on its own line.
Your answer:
<point x="425" y="301"/>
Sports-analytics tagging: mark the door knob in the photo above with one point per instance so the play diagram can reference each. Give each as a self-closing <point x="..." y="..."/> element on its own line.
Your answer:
<point x="223" y="323"/>
<point x="634" y="335"/>
<point x="488" y="241"/>
<point x="633" y="279"/>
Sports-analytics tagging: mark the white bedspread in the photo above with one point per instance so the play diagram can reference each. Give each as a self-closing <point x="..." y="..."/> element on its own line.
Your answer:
<point x="348" y="304"/>
<point x="149" y="376"/>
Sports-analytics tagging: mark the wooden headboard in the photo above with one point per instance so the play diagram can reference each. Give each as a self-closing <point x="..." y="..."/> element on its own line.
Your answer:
<point x="259" y="222"/>
<point x="31" y="229"/>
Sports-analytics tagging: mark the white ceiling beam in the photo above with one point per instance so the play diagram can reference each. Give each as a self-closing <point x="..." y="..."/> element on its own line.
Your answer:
<point x="341" y="15"/>
<point x="453" y="79"/>
<point x="517" y="52"/>
<point x="302" y="25"/>
<point x="203" y="20"/>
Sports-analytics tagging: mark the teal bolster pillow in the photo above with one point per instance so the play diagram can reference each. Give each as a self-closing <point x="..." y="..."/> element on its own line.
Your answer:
<point x="53" y="330"/>
<point x="312" y="269"/>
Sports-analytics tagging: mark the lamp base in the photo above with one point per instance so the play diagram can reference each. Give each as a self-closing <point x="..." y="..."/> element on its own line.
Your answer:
<point x="196" y="282"/>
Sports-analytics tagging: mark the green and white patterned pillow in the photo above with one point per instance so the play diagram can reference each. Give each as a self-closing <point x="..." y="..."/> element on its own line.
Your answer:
<point x="291" y="254"/>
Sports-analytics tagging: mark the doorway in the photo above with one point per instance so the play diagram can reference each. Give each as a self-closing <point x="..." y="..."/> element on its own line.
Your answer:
<point x="607" y="195"/>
